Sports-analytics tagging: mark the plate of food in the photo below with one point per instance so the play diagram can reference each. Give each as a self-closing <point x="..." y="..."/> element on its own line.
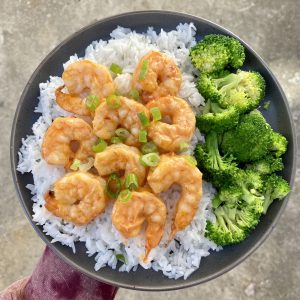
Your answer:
<point x="153" y="150"/>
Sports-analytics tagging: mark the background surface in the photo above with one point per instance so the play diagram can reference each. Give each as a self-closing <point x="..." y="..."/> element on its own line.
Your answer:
<point x="30" y="29"/>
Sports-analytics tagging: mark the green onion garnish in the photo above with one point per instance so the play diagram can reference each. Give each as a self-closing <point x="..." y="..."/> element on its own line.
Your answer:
<point x="143" y="136"/>
<point x="191" y="160"/>
<point x="156" y="115"/>
<point x="124" y="196"/>
<point x="266" y="105"/>
<point x="92" y="101"/>
<point x="122" y="133"/>
<point x="115" y="140"/>
<point x="113" y="186"/>
<point x="100" y="146"/>
<point x="183" y="146"/>
<point x="150" y="159"/>
<point x="149" y="147"/>
<point x="75" y="165"/>
<point x="134" y="94"/>
<point x="121" y="258"/>
<point x="87" y="166"/>
<point x="143" y="118"/>
<point x="116" y="69"/>
<point x="113" y="101"/>
<point x="131" y="182"/>
<point x="144" y="70"/>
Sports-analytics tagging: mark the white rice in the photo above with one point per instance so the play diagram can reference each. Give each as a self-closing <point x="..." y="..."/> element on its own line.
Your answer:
<point x="183" y="255"/>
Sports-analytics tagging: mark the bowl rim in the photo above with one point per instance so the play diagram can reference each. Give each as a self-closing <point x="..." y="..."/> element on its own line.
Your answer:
<point x="69" y="261"/>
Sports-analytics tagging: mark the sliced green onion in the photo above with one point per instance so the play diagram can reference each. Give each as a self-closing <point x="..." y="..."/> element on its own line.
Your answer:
<point x="113" y="101"/>
<point x="150" y="159"/>
<point x="144" y="70"/>
<point x="87" y="166"/>
<point x="143" y="136"/>
<point x="124" y="196"/>
<point x="92" y="101"/>
<point x="131" y="182"/>
<point x="75" y="165"/>
<point x="191" y="160"/>
<point x="116" y="69"/>
<point x="100" y="146"/>
<point x="143" y="118"/>
<point x="113" y="186"/>
<point x="121" y="258"/>
<point x="266" y="105"/>
<point x="149" y="147"/>
<point x="122" y="133"/>
<point x="134" y="94"/>
<point x="156" y="115"/>
<point x="183" y="146"/>
<point x="115" y="140"/>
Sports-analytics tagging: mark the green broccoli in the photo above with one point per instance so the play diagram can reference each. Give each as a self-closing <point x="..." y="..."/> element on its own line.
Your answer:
<point x="251" y="140"/>
<point x="279" y="144"/>
<point x="244" y="90"/>
<point x="215" y="118"/>
<point x="231" y="195"/>
<point x="216" y="52"/>
<point x="267" y="165"/>
<point x="275" y="188"/>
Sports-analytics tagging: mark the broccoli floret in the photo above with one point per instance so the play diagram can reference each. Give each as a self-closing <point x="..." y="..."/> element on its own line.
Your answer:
<point x="251" y="140"/>
<point x="275" y="188"/>
<point x="267" y="165"/>
<point x="244" y="90"/>
<point x="220" y="170"/>
<point x="231" y="196"/>
<point x="215" y="118"/>
<point x="215" y="52"/>
<point x="279" y="144"/>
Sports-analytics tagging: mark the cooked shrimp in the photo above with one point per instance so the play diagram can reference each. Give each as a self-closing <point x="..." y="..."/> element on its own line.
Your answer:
<point x="176" y="169"/>
<point x="82" y="78"/>
<point x="58" y="139"/>
<point x="161" y="76"/>
<point x="129" y="217"/>
<point x="78" y="198"/>
<point x="169" y="136"/>
<point x="107" y="120"/>
<point x="120" y="157"/>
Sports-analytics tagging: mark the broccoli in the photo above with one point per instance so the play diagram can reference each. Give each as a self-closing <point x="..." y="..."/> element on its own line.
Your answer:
<point x="230" y="195"/>
<point x="244" y="90"/>
<point x="275" y="188"/>
<point x="220" y="170"/>
<point x="215" y="118"/>
<point x="267" y="165"/>
<point x="215" y="52"/>
<point x="251" y="140"/>
<point x="279" y="144"/>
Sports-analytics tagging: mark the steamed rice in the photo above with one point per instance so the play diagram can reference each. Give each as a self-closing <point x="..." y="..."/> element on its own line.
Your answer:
<point x="183" y="255"/>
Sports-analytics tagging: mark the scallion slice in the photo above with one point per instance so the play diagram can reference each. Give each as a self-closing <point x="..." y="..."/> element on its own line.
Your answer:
<point x="115" y="140"/>
<point x="144" y="70"/>
<point x="121" y="258"/>
<point x="125" y="196"/>
<point x="116" y="69"/>
<point x="113" y="186"/>
<point x="156" y="115"/>
<point x="191" y="160"/>
<point x="113" y="101"/>
<point x="134" y="94"/>
<point x="144" y="119"/>
<point x="150" y="159"/>
<point x="143" y="136"/>
<point x="122" y="133"/>
<point x="92" y="102"/>
<point x="100" y="146"/>
<point x="75" y="165"/>
<point x="131" y="182"/>
<point x="149" y="147"/>
<point x="183" y="146"/>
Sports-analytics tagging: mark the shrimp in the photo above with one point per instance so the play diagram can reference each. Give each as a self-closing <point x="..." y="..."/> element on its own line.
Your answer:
<point x="82" y="78"/>
<point x="120" y="157"/>
<point x="129" y="217"/>
<point x="162" y="76"/>
<point x="58" y="139"/>
<point x="78" y="198"/>
<point x="169" y="136"/>
<point x="176" y="169"/>
<point x="107" y="120"/>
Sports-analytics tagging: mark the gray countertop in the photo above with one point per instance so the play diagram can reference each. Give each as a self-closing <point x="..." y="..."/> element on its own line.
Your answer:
<point x="30" y="29"/>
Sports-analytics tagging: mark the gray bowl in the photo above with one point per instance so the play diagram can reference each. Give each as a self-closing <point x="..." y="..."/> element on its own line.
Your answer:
<point x="279" y="116"/>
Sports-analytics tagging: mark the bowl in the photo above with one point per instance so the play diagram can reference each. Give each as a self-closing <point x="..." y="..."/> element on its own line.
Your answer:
<point x="278" y="115"/>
